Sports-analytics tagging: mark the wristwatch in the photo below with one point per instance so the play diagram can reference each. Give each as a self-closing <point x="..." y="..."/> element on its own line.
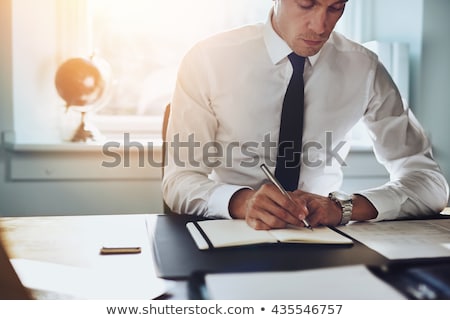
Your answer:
<point x="345" y="202"/>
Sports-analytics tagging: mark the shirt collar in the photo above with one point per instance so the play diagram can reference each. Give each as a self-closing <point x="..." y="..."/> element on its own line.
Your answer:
<point x="277" y="48"/>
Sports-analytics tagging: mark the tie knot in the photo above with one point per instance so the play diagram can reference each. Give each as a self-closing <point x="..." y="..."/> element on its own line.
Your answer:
<point x="298" y="62"/>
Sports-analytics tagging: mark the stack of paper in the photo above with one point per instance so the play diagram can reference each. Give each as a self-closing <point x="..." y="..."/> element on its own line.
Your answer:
<point x="338" y="283"/>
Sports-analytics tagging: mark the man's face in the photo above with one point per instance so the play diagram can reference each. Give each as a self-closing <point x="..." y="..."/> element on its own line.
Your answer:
<point x="306" y="25"/>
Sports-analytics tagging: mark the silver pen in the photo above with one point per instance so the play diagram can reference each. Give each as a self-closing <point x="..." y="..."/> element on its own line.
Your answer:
<point x="280" y="187"/>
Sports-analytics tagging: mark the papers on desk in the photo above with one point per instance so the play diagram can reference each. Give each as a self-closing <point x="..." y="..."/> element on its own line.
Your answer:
<point x="404" y="239"/>
<point x="342" y="283"/>
<point x="56" y="281"/>
<point x="96" y="276"/>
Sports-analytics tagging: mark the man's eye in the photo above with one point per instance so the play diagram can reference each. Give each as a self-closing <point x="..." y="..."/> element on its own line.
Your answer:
<point x="305" y="4"/>
<point x="337" y="8"/>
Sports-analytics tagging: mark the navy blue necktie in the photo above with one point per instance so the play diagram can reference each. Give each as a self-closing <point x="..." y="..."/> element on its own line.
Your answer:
<point x="287" y="170"/>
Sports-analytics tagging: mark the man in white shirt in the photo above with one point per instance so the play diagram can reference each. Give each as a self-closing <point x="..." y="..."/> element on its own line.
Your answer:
<point x="225" y="122"/>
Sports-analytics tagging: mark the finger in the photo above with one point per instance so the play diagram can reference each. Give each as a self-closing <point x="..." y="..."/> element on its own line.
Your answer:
<point x="262" y="210"/>
<point x="317" y="213"/>
<point x="301" y="209"/>
<point x="300" y="193"/>
<point x="278" y="214"/>
<point x="257" y="224"/>
<point x="280" y="205"/>
<point x="270" y="214"/>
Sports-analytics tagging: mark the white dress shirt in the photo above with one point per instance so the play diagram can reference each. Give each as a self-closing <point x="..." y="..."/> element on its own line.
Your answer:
<point x="225" y="121"/>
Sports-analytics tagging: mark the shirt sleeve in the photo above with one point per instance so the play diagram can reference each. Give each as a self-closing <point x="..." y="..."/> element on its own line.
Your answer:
<point x="417" y="186"/>
<point x="186" y="185"/>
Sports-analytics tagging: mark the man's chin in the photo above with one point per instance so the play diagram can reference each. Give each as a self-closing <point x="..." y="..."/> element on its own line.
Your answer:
<point x="307" y="52"/>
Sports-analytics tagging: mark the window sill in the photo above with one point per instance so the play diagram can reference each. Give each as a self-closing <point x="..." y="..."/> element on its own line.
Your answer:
<point x="361" y="147"/>
<point x="155" y="141"/>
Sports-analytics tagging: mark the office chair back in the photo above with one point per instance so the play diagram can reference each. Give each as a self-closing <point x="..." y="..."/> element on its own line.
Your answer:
<point x="164" y="149"/>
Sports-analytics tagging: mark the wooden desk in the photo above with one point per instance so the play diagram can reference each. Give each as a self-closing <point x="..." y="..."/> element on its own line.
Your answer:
<point x="74" y="242"/>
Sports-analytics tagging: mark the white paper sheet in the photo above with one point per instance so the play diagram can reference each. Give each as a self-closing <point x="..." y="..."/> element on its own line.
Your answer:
<point x="404" y="239"/>
<point x="338" y="283"/>
<point x="115" y="276"/>
<point x="57" y="281"/>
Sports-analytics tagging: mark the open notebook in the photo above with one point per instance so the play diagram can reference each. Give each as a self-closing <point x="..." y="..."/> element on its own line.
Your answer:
<point x="228" y="233"/>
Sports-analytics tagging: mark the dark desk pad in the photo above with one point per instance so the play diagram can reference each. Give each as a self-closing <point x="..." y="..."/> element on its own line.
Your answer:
<point x="177" y="256"/>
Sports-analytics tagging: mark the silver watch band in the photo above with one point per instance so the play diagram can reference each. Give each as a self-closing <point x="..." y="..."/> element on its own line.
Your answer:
<point x="346" y="212"/>
<point x="345" y="202"/>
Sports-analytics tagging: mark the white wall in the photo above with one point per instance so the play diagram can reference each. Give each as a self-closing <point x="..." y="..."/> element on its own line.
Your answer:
<point x="75" y="182"/>
<point x="434" y="105"/>
<point x="401" y="19"/>
<point x="425" y="25"/>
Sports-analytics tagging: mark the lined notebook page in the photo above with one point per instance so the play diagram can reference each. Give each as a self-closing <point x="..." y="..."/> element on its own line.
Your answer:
<point x="225" y="233"/>
<point x="304" y="235"/>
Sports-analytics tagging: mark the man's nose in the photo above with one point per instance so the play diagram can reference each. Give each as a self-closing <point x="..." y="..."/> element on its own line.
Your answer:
<point x="318" y="22"/>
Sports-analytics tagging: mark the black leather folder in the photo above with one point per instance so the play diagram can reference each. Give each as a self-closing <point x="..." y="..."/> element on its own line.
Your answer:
<point x="177" y="256"/>
<point x="419" y="279"/>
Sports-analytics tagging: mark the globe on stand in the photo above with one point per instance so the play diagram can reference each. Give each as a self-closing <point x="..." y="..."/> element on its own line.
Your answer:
<point x="84" y="84"/>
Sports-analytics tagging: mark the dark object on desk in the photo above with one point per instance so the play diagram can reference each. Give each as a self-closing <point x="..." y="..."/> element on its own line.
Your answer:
<point x="177" y="256"/>
<point x="425" y="280"/>
<point x="435" y="277"/>
<point x="10" y="286"/>
<point x="120" y="250"/>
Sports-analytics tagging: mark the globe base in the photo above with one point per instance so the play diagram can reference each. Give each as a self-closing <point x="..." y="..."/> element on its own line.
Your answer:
<point x="86" y="133"/>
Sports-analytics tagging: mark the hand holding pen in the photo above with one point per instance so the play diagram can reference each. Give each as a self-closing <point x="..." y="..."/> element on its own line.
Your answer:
<point x="280" y="187"/>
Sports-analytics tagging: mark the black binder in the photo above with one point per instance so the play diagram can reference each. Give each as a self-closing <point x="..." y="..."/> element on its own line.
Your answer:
<point x="177" y="256"/>
<point x="418" y="279"/>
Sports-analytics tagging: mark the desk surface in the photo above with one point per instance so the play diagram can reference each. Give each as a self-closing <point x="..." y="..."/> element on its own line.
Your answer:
<point x="68" y="240"/>
<point x="75" y="242"/>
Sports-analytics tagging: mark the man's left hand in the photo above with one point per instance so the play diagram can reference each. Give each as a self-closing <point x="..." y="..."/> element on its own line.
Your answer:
<point x="321" y="210"/>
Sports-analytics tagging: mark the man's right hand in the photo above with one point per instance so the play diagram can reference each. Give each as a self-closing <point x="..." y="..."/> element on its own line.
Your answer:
<point x="267" y="208"/>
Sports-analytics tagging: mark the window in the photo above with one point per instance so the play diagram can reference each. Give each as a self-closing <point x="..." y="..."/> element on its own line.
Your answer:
<point x="144" y="41"/>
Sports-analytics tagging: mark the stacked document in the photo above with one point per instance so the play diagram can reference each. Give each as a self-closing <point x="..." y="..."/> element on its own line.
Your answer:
<point x="337" y="283"/>
<point x="411" y="239"/>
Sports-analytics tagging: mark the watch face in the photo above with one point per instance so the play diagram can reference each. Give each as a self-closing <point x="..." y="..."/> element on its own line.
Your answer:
<point x="342" y="196"/>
